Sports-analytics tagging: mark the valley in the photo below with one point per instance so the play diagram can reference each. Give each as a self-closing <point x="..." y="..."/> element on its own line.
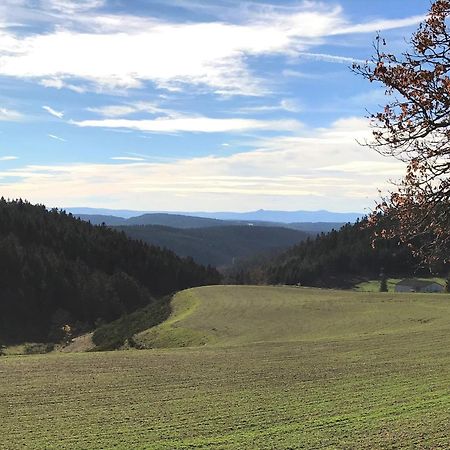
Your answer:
<point x="224" y="225"/>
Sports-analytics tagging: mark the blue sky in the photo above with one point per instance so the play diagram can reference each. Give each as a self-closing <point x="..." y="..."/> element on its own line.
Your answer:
<point x="193" y="105"/>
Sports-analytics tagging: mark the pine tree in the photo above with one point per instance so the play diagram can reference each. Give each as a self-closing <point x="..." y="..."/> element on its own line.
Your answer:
<point x="383" y="284"/>
<point x="383" y="281"/>
<point x="60" y="275"/>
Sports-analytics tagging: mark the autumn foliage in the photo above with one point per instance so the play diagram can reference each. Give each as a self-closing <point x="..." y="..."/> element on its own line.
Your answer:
<point x="414" y="127"/>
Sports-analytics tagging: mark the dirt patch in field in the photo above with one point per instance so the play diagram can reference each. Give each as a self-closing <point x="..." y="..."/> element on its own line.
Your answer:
<point x="81" y="343"/>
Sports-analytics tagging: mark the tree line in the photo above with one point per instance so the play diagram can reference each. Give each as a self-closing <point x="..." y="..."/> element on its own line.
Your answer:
<point x="338" y="259"/>
<point x="60" y="275"/>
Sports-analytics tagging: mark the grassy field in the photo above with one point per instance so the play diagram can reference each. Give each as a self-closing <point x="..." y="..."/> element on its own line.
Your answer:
<point x="374" y="285"/>
<point x="263" y="368"/>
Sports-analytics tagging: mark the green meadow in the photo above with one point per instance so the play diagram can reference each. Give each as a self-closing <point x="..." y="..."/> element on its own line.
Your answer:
<point x="247" y="368"/>
<point x="374" y="285"/>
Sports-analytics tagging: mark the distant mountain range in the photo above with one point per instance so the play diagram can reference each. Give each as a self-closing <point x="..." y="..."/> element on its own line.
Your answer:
<point x="187" y="222"/>
<point x="260" y="215"/>
<point x="221" y="240"/>
<point x="284" y="216"/>
<point x="169" y="220"/>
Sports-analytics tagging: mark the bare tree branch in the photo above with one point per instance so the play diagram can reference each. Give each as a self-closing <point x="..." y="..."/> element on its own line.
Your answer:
<point x="414" y="127"/>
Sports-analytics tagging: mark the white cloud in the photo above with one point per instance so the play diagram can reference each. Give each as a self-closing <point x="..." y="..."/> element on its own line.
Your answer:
<point x="8" y="158"/>
<point x="131" y="108"/>
<point x="192" y="124"/>
<point x="284" y="105"/>
<point x="9" y="115"/>
<point x="135" y="50"/>
<point x="53" y="112"/>
<point x="60" y="84"/>
<point x="293" y="172"/>
<point x="113" y="110"/>
<point x="127" y="158"/>
<point x="71" y="6"/>
<point x="332" y="58"/>
<point x="303" y="75"/>
<point x="367" y="168"/>
<point x="57" y="138"/>
<point x="289" y="105"/>
<point x="379" y="25"/>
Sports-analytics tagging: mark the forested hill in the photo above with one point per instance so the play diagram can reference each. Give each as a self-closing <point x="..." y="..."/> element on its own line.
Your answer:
<point x="218" y="246"/>
<point x="189" y="222"/>
<point x="57" y="270"/>
<point x="335" y="259"/>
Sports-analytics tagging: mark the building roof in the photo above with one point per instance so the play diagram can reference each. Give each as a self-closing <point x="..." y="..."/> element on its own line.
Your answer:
<point x="413" y="282"/>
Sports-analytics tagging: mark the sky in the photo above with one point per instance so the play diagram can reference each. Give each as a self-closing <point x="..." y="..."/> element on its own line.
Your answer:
<point x="193" y="105"/>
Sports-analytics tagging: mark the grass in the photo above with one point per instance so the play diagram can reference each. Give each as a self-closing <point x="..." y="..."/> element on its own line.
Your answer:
<point x="374" y="285"/>
<point x="28" y="348"/>
<point x="274" y="368"/>
<point x="230" y="315"/>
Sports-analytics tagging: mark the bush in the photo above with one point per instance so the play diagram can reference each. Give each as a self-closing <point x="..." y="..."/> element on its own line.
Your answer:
<point x="113" y="335"/>
<point x="38" y="348"/>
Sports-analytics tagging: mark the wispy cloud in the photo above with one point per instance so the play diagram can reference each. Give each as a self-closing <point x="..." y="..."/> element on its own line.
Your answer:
<point x="193" y="124"/>
<point x="53" y="112"/>
<point x="367" y="168"/>
<point x="127" y="158"/>
<point x="302" y="171"/>
<point x="71" y="6"/>
<point x="171" y="54"/>
<point x="331" y="58"/>
<point x="8" y="158"/>
<point x="57" y="138"/>
<point x="284" y="105"/>
<point x="57" y="83"/>
<point x="9" y="115"/>
<point x="303" y="75"/>
<point x="379" y="25"/>
<point x="127" y="109"/>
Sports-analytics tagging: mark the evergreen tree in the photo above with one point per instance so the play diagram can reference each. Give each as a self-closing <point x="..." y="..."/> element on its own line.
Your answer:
<point x="383" y="284"/>
<point x="60" y="275"/>
<point x="337" y="259"/>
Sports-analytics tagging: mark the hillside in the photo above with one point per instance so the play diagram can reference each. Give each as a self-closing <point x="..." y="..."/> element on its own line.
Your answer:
<point x="280" y="217"/>
<point x="285" y="216"/>
<point x="173" y="220"/>
<point x="99" y="219"/>
<point x="218" y="245"/>
<point x="337" y="259"/>
<point x="242" y="315"/>
<point x="162" y="219"/>
<point x="56" y="270"/>
<point x="265" y="368"/>
<point x="315" y="227"/>
<point x="187" y="221"/>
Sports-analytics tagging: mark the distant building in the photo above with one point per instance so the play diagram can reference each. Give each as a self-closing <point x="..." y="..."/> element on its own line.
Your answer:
<point x="413" y="285"/>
